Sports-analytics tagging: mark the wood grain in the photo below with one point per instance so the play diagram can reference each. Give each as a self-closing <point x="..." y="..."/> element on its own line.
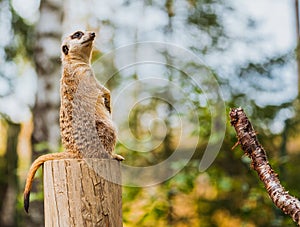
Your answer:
<point x="82" y="193"/>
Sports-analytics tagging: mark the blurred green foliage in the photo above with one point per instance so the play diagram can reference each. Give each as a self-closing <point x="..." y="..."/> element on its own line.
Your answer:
<point x="229" y="192"/>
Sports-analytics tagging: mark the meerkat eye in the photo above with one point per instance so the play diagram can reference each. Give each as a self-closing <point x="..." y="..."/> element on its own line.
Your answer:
<point x="77" y="35"/>
<point x="65" y="49"/>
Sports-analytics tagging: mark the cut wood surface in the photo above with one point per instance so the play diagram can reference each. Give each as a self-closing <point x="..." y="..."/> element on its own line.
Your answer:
<point x="82" y="193"/>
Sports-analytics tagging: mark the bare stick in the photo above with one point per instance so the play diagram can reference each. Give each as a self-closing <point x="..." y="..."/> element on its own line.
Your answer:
<point x="252" y="148"/>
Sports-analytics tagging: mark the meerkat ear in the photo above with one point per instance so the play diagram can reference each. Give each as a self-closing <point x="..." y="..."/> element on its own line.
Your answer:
<point x="65" y="49"/>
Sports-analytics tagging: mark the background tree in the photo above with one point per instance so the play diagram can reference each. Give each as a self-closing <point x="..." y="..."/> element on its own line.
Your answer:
<point x="46" y="134"/>
<point x="15" y="104"/>
<point x="48" y="35"/>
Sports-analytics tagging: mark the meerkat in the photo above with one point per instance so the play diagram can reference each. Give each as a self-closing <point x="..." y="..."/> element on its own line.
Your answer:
<point x="86" y="126"/>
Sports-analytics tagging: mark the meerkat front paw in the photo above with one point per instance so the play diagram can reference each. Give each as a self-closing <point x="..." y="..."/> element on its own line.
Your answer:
<point x="118" y="157"/>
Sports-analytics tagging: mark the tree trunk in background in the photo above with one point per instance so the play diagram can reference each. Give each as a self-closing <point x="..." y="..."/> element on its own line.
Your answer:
<point x="9" y="212"/>
<point x="46" y="134"/>
<point x="47" y="60"/>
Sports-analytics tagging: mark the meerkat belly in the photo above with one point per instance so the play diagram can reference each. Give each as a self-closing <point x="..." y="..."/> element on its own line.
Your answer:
<point x="85" y="132"/>
<point x="67" y="136"/>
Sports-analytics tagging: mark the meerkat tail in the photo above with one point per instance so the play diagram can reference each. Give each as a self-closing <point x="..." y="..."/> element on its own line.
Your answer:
<point x="34" y="167"/>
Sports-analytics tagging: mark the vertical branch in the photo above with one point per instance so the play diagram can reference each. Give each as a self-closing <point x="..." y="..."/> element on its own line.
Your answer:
<point x="250" y="145"/>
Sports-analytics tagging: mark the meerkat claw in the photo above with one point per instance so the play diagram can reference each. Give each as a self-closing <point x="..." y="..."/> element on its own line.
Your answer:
<point x="118" y="157"/>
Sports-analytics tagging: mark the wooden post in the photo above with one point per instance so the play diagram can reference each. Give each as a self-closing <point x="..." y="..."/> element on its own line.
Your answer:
<point x="83" y="193"/>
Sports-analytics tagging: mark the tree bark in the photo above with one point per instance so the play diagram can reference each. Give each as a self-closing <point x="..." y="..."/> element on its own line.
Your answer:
<point x="82" y="193"/>
<point x="46" y="133"/>
<point x="48" y="66"/>
<point x="252" y="148"/>
<point x="9" y="211"/>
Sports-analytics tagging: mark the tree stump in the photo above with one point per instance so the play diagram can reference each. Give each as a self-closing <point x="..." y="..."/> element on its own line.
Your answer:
<point x="83" y="193"/>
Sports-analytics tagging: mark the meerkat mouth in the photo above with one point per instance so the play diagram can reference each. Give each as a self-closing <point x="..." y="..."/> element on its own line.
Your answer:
<point x="88" y="40"/>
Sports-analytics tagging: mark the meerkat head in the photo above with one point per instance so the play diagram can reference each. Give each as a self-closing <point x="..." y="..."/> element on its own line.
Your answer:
<point x="78" y="46"/>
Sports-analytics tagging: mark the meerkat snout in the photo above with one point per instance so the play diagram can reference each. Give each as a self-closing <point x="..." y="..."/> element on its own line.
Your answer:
<point x="90" y="36"/>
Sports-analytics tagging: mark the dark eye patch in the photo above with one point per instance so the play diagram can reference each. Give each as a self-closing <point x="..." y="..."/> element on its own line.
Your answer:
<point x="77" y="35"/>
<point x="65" y="49"/>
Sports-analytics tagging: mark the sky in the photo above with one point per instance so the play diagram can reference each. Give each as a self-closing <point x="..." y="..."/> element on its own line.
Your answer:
<point x="276" y="33"/>
<point x="277" y="19"/>
<point x="276" y="28"/>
